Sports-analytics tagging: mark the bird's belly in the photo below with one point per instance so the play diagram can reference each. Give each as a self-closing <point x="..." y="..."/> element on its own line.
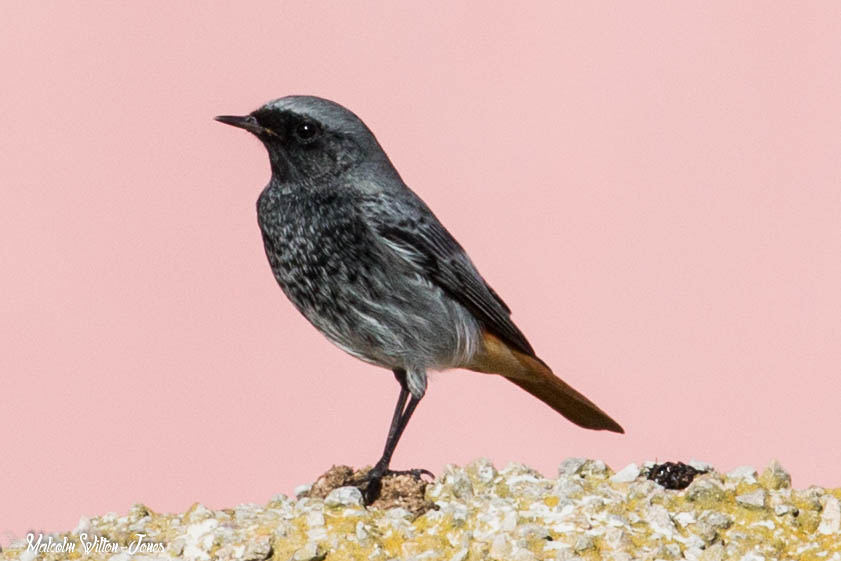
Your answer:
<point x="384" y="316"/>
<point x="365" y="299"/>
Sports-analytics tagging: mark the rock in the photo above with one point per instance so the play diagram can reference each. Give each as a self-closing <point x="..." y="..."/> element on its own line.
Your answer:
<point x="257" y="550"/>
<point x="684" y="518"/>
<point x="626" y="474"/>
<point x="315" y="518"/>
<point x="782" y="509"/>
<point x="484" y="470"/>
<point x="199" y="538"/>
<point x="398" y="490"/>
<point x="309" y="552"/>
<point x="775" y="477"/>
<point x="710" y="523"/>
<point x="532" y="531"/>
<point x="281" y="498"/>
<point x="571" y="467"/>
<point x="701" y="466"/>
<point x="617" y="539"/>
<point x="522" y="554"/>
<point x="693" y="553"/>
<point x="644" y="489"/>
<point x="659" y="520"/>
<point x="459" y="481"/>
<point x="830" y="516"/>
<point x="583" y="544"/>
<point x="515" y="515"/>
<point x="333" y="478"/>
<point x="811" y="498"/>
<point x="755" y="499"/>
<point x="743" y="473"/>
<point x="714" y="552"/>
<point x="138" y="511"/>
<point x="404" y="491"/>
<point x="509" y="522"/>
<point x="398" y="513"/>
<point x="344" y="496"/>
<point x="705" y="491"/>
<point x="361" y="531"/>
<point x="460" y="555"/>
<point x="523" y="481"/>
<point x="594" y="468"/>
<point x="501" y="547"/>
<point x="198" y="512"/>
<point x="566" y="489"/>
<point x="518" y="473"/>
<point x="673" y="550"/>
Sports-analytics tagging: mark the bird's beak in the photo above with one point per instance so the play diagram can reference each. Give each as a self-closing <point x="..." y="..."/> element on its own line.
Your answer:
<point x="247" y="122"/>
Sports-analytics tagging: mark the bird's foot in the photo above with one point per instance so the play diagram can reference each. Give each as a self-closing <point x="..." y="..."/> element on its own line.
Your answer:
<point x="416" y="473"/>
<point x="371" y="483"/>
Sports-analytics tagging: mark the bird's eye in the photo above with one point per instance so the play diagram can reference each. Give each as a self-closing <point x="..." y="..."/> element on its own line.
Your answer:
<point x="307" y="132"/>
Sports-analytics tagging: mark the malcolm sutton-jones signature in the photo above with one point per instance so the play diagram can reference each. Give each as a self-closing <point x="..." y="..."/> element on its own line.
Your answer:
<point x="90" y="544"/>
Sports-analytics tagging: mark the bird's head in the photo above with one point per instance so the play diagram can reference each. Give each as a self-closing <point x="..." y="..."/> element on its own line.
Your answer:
<point x="308" y="138"/>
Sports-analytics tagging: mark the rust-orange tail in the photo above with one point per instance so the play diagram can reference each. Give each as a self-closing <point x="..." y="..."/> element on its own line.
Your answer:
<point x="531" y="374"/>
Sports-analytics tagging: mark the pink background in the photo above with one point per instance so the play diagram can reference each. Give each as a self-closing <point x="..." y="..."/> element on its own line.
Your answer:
<point x="655" y="190"/>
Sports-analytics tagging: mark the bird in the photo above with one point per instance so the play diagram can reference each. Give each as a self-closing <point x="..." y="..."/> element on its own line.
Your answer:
<point x="366" y="261"/>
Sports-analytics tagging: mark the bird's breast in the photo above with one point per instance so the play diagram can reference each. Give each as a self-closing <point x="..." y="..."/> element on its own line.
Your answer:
<point x="319" y="250"/>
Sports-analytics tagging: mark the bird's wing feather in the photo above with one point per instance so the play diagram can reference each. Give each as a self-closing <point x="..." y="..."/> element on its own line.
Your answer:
<point x="415" y="234"/>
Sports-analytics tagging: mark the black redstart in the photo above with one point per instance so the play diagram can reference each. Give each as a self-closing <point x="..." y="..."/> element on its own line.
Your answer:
<point x="370" y="266"/>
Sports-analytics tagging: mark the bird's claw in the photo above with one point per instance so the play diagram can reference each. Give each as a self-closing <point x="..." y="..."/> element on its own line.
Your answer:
<point x="416" y="473"/>
<point x="371" y="483"/>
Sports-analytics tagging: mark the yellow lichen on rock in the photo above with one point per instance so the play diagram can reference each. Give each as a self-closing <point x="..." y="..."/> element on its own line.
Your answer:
<point x="478" y="512"/>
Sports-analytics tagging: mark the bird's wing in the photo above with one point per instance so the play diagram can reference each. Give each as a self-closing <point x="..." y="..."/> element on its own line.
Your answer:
<point x="409" y="228"/>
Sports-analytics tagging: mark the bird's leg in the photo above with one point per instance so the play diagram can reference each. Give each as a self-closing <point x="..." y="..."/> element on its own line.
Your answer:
<point x="372" y="482"/>
<point x="397" y="422"/>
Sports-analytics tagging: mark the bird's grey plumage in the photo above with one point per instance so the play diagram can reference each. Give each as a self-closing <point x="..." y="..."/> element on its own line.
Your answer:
<point x="367" y="262"/>
<point x="358" y="290"/>
<point x="411" y="229"/>
<point x="371" y="267"/>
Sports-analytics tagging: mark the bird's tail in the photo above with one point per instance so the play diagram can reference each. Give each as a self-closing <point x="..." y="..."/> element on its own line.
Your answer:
<point x="532" y="374"/>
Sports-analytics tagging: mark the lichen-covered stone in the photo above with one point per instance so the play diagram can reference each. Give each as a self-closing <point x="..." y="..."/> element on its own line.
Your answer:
<point x="775" y="477"/>
<point x="477" y="512"/>
<point x="344" y="496"/>
<point x="742" y="473"/>
<point x="706" y="491"/>
<point x="830" y="517"/>
<point x="754" y="499"/>
<point x="626" y="474"/>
